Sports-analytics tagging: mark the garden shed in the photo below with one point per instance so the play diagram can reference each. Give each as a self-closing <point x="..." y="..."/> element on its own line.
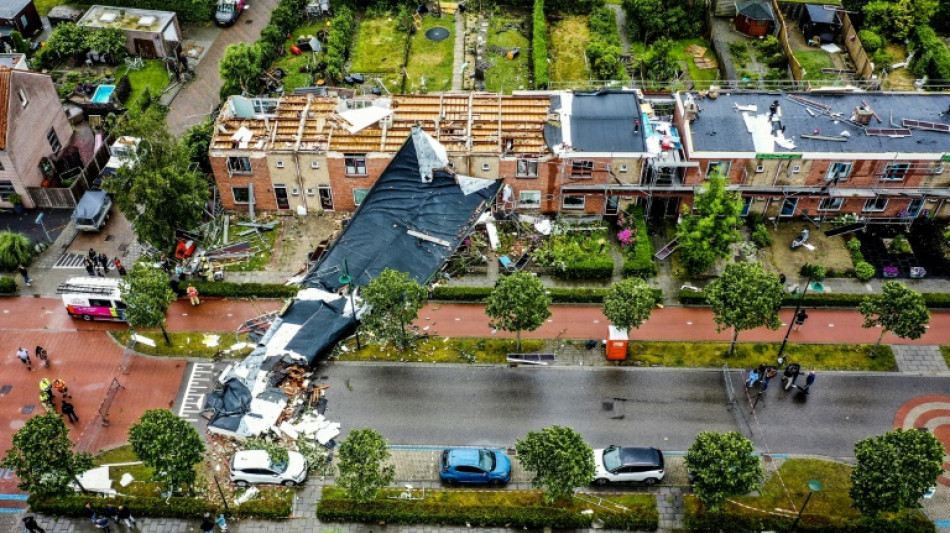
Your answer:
<point x="149" y="34"/>
<point x="21" y="16"/>
<point x="754" y="18"/>
<point x="820" y="21"/>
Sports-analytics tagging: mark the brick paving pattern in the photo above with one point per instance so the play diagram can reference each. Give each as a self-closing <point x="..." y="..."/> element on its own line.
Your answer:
<point x="919" y="359"/>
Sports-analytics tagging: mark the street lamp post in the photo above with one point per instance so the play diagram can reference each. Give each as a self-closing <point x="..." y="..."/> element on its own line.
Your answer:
<point x="798" y="307"/>
<point x="221" y="492"/>
<point x="813" y="486"/>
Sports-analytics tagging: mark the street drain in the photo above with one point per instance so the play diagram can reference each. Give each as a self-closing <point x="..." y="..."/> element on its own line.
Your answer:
<point x="27" y="409"/>
<point x="5" y="389"/>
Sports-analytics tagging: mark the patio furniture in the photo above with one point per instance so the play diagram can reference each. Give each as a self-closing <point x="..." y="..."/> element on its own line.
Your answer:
<point x="506" y="263"/>
<point x="134" y="63"/>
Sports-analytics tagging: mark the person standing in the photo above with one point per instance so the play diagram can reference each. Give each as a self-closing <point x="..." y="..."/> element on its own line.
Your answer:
<point x="112" y="512"/>
<point x="800" y="319"/>
<point x="104" y="261"/>
<point x="102" y="522"/>
<point x="207" y="525"/>
<point x="42" y="355"/>
<point x="30" y="524"/>
<point x="809" y="381"/>
<point x="46" y="386"/>
<point x="25" y="357"/>
<point x="60" y="386"/>
<point x="222" y="522"/>
<point x="119" y="267"/>
<point x="86" y="262"/>
<point x="193" y="295"/>
<point x="70" y="411"/>
<point x="46" y="398"/>
<point x="125" y="515"/>
<point x="26" y="275"/>
<point x="93" y="255"/>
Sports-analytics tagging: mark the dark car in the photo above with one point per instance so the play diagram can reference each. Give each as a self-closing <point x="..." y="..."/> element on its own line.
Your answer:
<point x="616" y="464"/>
<point x="228" y="11"/>
<point x="468" y="465"/>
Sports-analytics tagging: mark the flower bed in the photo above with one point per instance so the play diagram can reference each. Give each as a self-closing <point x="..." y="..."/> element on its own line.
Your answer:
<point x="578" y="252"/>
<point x="635" y="244"/>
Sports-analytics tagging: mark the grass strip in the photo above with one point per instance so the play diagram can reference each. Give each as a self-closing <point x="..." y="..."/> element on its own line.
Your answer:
<point x="443" y="350"/>
<point x="714" y="354"/>
<point x="185" y="344"/>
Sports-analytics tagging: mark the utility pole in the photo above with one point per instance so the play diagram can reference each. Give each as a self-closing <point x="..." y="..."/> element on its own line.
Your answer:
<point x="798" y="307"/>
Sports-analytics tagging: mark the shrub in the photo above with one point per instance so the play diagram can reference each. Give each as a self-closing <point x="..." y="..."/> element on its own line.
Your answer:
<point x="761" y="236"/>
<point x="539" y="45"/>
<point x="816" y="272"/>
<point x="639" y="260"/>
<point x="269" y="505"/>
<point x="240" y="290"/>
<point x="123" y="89"/>
<point x="933" y="58"/>
<point x="870" y="40"/>
<point x="7" y="285"/>
<point x="338" y="41"/>
<point x="934" y="300"/>
<point x="558" y="295"/>
<point x="15" y="249"/>
<point x="592" y="269"/>
<point x="899" y="245"/>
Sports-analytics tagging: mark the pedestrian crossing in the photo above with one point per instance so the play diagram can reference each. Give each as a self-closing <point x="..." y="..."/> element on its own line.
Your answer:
<point x="200" y="381"/>
<point x="70" y="260"/>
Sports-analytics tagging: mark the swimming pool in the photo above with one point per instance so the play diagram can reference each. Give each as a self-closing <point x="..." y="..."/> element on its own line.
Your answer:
<point x="103" y="94"/>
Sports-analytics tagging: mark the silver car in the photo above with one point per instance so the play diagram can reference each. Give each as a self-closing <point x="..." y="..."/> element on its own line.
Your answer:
<point x="616" y="464"/>
<point x="255" y="466"/>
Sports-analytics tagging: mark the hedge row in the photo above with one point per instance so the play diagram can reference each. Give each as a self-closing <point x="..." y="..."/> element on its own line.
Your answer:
<point x="740" y="519"/>
<point x="403" y="512"/>
<point x="7" y="285"/>
<point x="72" y="505"/>
<point x="285" y="18"/>
<point x="539" y="45"/>
<point x="558" y="295"/>
<point x="934" y="300"/>
<point x="239" y="290"/>
<point x="640" y="262"/>
<point x="187" y="10"/>
<point x="338" y="41"/>
<point x="589" y="269"/>
<point x="934" y="59"/>
<point x="604" y="49"/>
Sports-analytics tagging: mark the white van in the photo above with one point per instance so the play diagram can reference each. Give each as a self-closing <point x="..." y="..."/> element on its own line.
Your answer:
<point x="93" y="298"/>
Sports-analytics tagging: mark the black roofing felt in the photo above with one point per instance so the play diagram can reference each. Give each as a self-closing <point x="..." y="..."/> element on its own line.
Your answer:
<point x="604" y="121"/>
<point x="821" y="15"/>
<point x="376" y="238"/>
<point x="720" y="127"/>
<point x="755" y="9"/>
<point x="322" y="326"/>
<point x="230" y="404"/>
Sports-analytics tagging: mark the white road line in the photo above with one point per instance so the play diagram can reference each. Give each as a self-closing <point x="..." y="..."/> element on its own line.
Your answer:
<point x="193" y="400"/>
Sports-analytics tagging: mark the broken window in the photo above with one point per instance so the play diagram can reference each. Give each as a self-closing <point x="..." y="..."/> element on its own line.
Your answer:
<point x="839" y="171"/>
<point x="582" y="169"/>
<point x="529" y="199"/>
<point x="875" y="204"/>
<point x="527" y="168"/>
<point x="242" y="195"/>
<point x="895" y="171"/>
<point x="355" y="164"/>
<point x="574" y="202"/>
<point x="830" y="204"/>
<point x="239" y="165"/>
<point x="359" y="195"/>
<point x="720" y="167"/>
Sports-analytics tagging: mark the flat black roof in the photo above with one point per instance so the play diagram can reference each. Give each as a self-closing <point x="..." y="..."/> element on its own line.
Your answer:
<point x="720" y="126"/>
<point x="604" y="121"/>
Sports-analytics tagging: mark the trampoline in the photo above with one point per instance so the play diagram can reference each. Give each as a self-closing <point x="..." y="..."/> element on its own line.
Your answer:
<point x="437" y="34"/>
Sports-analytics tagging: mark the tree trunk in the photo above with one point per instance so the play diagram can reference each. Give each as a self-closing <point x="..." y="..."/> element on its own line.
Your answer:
<point x="518" y="335"/>
<point x="732" y="347"/>
<point x="168" y="339"/>
<point x="874" y="350"/>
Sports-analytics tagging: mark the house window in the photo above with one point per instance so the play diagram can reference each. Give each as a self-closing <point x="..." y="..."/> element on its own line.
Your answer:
<point x="746" y="206"/>
<point x="239" y="165"/>
<point x="574" y="202"/>
<point x="314" y="164"/>
<point x="788" y="207"/>
<point x="295" y="192"/>
<point x="280" y="164"/>
<point x="582" y="170"/>
<point x="796" y="169"/>
<point x="310" y="192"/>
<point x="895" y="171"/>
<point x="527" y="168"/>
<point x="839" y="171"/>
<point x="760" y="169"/>
<point x="486" y="167"/>
<point x="23" y="99"/>
<point x="875" y="205"/>
<point x="6" y="189"/>
<point x="359" y="195"/>
<point x="529" y="199"/>
<point x="53" y="140"/>
<point x="830" y="204"/>
<point x="242" y="195"/>
<point x="720" y="167"/>
<point x="355" y="165"/>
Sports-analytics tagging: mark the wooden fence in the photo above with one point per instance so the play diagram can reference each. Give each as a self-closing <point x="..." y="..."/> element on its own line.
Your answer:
<point x="862" y="65"/>
<point x="794" y="66"/>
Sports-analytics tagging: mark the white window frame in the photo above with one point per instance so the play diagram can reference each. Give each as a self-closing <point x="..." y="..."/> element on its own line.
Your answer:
<point x="830" y="174"/>
<point x="486" y="167"/>
<point x="529" y="167"/>
<point x="280" y="164"/>
<point x="294" y="191"/>
<point x="53" y="139"/>
<point x="238" y="169"/>
<point x="889" y="173"/>
<point x="796" y="169"/>
<point x="759" y="169"/>
<point x="354" y="164"/>
<point x="726" y="166"/>
<point x="794" y="207"/>
<point x="236" y="201"/>
<point x="623" y="169"/>
<point x="836" y="203"/>
<point x="523" y="204"/>
<point x="582" y="169"/>
<point x="579" y="207"/>
<point x="868" y="209"/>
<point x="314" y="164"/>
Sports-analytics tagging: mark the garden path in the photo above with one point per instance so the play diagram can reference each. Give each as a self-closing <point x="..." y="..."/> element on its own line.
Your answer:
<point x="459" y="53"/>
<point x="622" y="27"/>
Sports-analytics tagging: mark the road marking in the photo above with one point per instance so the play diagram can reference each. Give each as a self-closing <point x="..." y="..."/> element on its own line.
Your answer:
<point x="70" y="260"/>
<point x="200" y="380"/>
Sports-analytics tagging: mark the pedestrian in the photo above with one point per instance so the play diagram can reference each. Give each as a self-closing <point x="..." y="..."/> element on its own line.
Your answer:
<point x="781" y="280"/>
<point x="30" y="523"/>
<point x="119" y="266"/>
<point x="60" y="386"/>
<point x="93" y="255"/>
<point x="70" y="411"/>
<point x="42" y="355"/>
<point x="207" y="525"/>
<point x="112" y="512"/>
<point x="26" y="275"/>
<point x="175" y="285"/>
<point x="46" y="386"/>
<point x="809" y="381"/>
<point x="104" y="261"/>
<point x="102" y="522"/>
<point x="769" y="374"/>
<point x="89" y="512"/>
<point x="800" y="319"/>
<point x="25" y="357"/>
<point x="193" y="295"/>
<point x="46" y="398"/>
<point x="179" y="271"/>
<point x="222" y="522"/>
<point x="99" y="270"/>
<point x="86" y="262"/>
<point x="753" y="377"/>
<point x="163" y="262"/>
<point x="125" y="515"/>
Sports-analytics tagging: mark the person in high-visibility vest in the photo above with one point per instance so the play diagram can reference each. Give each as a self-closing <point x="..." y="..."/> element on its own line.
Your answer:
<point x="193" y="295"/>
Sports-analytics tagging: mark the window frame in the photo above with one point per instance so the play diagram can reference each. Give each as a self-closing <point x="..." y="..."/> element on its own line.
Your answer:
<point x="24" y="99"/>
<point x="233" y="169"/>
<point x="235" y="196"/>
<point x="866" y="209"/>
<point x="528" y="164"/>
<point x="838" y="199"/>
<point x="364" y="190"/>
<point x="726" y="165"/>
<point x="53" y="139"/>
<point x="353" y="164"/>
<point x="565" y="197"/>
<point x="828" y="173"/>
<point x="889" y="172"/>
<point x="582" y="169"/>
<point x="523" y="205"/>
<point x="781" y="211"/>
<point x="746" y="206"/>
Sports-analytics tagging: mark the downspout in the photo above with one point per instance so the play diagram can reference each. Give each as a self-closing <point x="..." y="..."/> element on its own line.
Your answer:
<point x="300" y="126"/>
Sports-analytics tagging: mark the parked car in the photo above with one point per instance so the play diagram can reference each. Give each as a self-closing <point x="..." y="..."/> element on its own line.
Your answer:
<point x="92" y="211"/>
<point x="617" y="464"/>
<point x="255" y="466"/>
<point x="228" y="11"/>
<point x="468" y="465"/>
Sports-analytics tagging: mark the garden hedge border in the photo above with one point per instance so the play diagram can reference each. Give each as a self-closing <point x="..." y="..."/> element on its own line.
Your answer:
<point x="73" y="505"/>
<point x="589" y="269"/>
<point x="539" y="46"/>
<point x="934" y="300"/>
<point x="7" y="285"/>
<point x="641" y="264"/>
<point x="228" y="289"/>
<point x="558" y="295"/>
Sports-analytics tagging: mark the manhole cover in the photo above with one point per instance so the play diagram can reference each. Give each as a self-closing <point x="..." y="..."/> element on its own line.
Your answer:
<point x="5" y="389"/>
<point x="437" y="33"/>
<point x="109" y="237"/>
<point x="27" y="409"/>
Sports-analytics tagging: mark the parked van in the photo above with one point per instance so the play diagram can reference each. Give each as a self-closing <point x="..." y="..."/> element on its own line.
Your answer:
<point x="93" y="298"/>
<point x="92" y="211"/>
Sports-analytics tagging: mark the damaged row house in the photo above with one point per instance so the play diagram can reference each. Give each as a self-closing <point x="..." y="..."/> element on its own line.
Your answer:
<point x="878" y="155"/>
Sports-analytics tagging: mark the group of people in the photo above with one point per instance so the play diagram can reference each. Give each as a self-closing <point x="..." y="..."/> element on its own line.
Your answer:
<point x="110" y="514"/>
<point x="47" y="394"/>
<point x="24" y="356"/>
<point x="764" y="373"/>
<point x="98" y="264"/>
<point x="175" y="278"/>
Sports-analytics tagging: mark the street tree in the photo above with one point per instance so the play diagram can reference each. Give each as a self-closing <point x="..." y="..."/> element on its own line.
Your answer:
<point x="518" y="303"/>
<point x="363" y="470"/>
<point x="629" y="303"/>
<point x="894" y="470"/>
<point x="707" y="234"/>
<point x="147" y="295"/>
<point x="394" y="300"/>
<point x="898" y="309"/>
<point x="42" y="457"/>
<point x="722" y="465"/>
<point x="240" y="67"/>
<point x="197" y="141"/>
<point x="170" y="445"/>
<point x="559" y="458"/>
<point x="744" y="297"/>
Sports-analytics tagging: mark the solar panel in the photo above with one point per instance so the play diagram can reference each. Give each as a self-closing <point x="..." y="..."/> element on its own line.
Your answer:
<point x="887" y="132"/>
<point x="923" y="125"/>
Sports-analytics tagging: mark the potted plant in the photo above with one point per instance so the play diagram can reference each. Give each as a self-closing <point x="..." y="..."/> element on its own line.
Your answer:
<point x="17" y="202"/>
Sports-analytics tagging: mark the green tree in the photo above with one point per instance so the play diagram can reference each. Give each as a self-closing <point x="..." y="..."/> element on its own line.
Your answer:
<point x="42" y="458"/>
<point x="744" y="297"/>
<point x="20" y="45"/>
<point x="518" y="303"/>
<point x="170" y="445"/>
<point x="394" y="300"/>
<point x="897" y="18"/>
<point x="539" y="45"/>
<point x="649" y="19"/>
<point x="240" y="69"/>
<point x="898" y="309"/>
<point x="559" y="458"/>
<point x="894" y="470"/>
<point x="629" y="303"/>
<point x="722" y="465"/>
<point x="708" y="234"/>
<point x="659" y="61"/>
<point x="66" y="40"/>
<point x="15" y="249"/>
<point x="362" y="467"/>
<point x="111" y="40"/>
<point x="147" y="295"/>
<point x="197" y="141"/>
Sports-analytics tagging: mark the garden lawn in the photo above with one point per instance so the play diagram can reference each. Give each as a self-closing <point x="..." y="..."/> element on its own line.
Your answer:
<point x="154" y="76"/>
<point x="380" y="48"/>
<point x="262" y="243"/>
<point x="567" y="44"/>
<point x="291" y="63"/>
<point x="714" y="354"/>
<point x="431" y="60"/>
<point x="185" y="344"/>
<point x="141" y="486"/>
<point x="945" y="350"/>
<point x="703" y="78"/>
<point x="813" y="61"/>
<point x="508" y="74"/>
<point x="439" y="350"/>
<point x="43" y="6"/>
<point x="901" y="79"/>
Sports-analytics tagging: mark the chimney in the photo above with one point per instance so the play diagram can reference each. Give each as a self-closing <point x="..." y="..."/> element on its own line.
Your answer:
<point x="863" y="114"/>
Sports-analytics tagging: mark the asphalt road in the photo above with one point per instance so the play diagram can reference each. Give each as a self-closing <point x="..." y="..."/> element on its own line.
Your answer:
<point x="456" y="405"/>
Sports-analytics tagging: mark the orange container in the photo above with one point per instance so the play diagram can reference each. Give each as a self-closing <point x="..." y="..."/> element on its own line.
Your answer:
<point x="616" y="344"/>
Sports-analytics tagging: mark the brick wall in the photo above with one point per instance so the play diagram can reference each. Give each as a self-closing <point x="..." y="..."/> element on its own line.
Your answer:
<point x="343" y="185"/>
<point x="259" y="176"/>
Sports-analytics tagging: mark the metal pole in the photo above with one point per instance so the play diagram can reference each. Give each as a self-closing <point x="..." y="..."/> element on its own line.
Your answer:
<point x="791" y="322"/>
<point x="801" y="511"/>
<point x="225" y="500"/>
<point x="356" y="330"/>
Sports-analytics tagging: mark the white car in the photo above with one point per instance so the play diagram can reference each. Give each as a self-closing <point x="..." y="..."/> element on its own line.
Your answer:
<point x="255" y="466"/>
<point x="616" y="464"/>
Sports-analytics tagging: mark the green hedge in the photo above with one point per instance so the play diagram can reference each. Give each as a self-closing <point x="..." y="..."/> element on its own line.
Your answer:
<point x="558" y="295"/>
<point x="934" y="300"/>
<point x="72" y="505"/>
<point x="539" y="45"/>
<point x="933" y="58"/>
<point x="735" y="518"/>
<point x="239" y="290"/>
<point x="338" y="41"/>
<point x="187" y="10"/>
<point x="7" y="285"/>
<point x="590" y="269"/>
<point x="640" y="262"/>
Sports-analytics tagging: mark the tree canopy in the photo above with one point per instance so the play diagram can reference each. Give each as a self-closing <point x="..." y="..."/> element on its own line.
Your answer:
<point x="394" y="300"/>
<point x="147" y="295"/>
<point x="722" y="465"/>
<point x="894" y="470"/>
<point x="42" y="456"/>
<point x="898" y="309"/>
<point x="895" y="19"/>
<point x="240" y="68"/>
<point x="518" y="303"/>
<point x="170" y="445"/>
<point x="707" y="235"/>
<point x="559" y="458"/>
<point x="649" y="19"/>
<point x="629" y="303"/>
<point x="744" y="297"/>
<point x="362" y="467"/>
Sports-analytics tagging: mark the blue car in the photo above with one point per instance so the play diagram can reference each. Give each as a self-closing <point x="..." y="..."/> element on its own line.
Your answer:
<point x="467" y="465"/>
